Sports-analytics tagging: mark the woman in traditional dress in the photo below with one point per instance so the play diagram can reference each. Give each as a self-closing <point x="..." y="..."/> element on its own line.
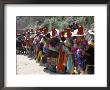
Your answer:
<point x="53" y="54"/>
<point x="60" y="64"/>
<point x="40" y="49"/>
<point x="70" y="57"/>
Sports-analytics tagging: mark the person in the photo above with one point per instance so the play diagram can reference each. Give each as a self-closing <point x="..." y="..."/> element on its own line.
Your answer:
<point x="39" y="50"/>
<point x="79" y="45"/>
<point x="24" y="45"/>
<point x="31" y="48"/>
<point x="83" y="45"/>
<point x="60" y="64"/>
<point x="18" y="43"/>
<point x="89" y="55"/>
<point x="45" y="52"/>
<point x="70" y="57"/>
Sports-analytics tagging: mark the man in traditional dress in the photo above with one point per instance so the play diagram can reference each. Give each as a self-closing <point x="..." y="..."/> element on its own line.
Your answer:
<point x="61" y="58"/>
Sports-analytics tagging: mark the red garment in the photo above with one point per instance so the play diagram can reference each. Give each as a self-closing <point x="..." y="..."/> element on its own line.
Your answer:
<point x="80" y="30"/>
<point x="41" y="29"/>
<point x="62" y="34"/>
<point x="27" y="41"/>
<point x="60" y="65"/>
<point x="69" y="32"/>
<point x="37" y="31"/>
<point x="24" y="42"/>
<point x="78" y="40"/>
<point x="30" y="42"/>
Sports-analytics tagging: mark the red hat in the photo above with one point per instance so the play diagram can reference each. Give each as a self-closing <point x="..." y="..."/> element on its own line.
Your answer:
<point x="68" y="33"/>
<point x="62" y="33"/>
<point x="80" y="30"/>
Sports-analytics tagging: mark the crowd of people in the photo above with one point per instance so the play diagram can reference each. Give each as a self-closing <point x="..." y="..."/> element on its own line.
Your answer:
<point x="60" y="51"/>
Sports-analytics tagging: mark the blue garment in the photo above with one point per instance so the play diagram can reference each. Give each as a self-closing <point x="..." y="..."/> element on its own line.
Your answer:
<point x="69" y="61"/>
<point x="78" y="58"/>
<point x="68" y="64"/>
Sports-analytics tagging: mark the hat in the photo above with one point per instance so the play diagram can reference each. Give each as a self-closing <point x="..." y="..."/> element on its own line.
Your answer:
<point x="75" y="33"/>
<point x="56" y="34"/>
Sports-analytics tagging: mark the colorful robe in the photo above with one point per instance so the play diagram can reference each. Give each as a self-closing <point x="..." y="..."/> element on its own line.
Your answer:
<point x="70" y="61"/>
<point x="60" y="64"/>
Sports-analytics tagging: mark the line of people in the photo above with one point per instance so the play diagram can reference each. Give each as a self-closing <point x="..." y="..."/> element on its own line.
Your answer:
<point x="66" y="51"/>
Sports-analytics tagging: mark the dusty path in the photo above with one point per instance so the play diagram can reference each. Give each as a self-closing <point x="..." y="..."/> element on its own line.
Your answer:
<point x="27" y="65"/>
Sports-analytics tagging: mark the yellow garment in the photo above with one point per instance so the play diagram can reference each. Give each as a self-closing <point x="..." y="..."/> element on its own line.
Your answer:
<point x="72" y="67"/>
<point x="39" y="56"/>
<point x="72" y="70"/>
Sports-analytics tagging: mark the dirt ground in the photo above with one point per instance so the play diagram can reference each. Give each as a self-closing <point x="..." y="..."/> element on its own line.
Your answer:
<point x="26" y="65"/>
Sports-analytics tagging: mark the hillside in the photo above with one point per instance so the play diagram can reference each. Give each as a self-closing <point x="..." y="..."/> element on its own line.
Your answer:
<point x="60" y="22"/>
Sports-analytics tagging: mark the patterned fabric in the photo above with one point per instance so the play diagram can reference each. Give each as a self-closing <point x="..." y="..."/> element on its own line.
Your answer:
<point x="70" y="61"/>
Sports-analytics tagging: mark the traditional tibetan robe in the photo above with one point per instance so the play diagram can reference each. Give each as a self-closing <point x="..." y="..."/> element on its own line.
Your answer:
<point x="60" y="65"/>
<point x="52" y="57"/>
<point x="39" y="56"/>
<point x="80" y="64"/>
<point x="70" y="61"/>
<point x="30" y="42"/>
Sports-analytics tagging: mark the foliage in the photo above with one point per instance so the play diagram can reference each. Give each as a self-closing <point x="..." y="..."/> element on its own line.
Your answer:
<point x="60" y="22"/>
